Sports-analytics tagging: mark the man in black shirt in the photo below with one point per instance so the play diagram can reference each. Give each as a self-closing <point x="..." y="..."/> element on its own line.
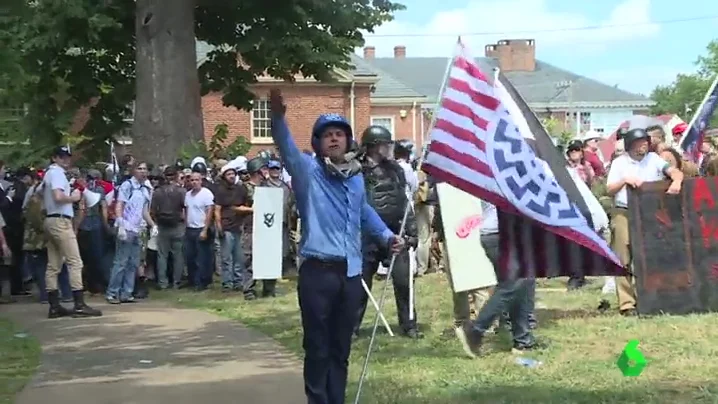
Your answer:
<point x="167" y="210"/>
<point x="230" y="212"/>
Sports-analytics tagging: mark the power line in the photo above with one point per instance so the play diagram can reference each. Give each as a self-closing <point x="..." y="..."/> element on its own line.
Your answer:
<point x="585" y="28"/>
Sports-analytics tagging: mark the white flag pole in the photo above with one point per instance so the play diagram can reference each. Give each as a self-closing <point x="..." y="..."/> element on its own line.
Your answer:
<point x="401" y="234"/>
<point x="376" y="306"/>
<point x="699" y="110"/>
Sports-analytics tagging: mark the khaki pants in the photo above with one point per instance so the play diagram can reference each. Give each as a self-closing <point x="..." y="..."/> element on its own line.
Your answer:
<point x="424" y="216"/>
<point x="62" y="247"/>
<point x="620" y="243"/>
<point x="464" y="300"/>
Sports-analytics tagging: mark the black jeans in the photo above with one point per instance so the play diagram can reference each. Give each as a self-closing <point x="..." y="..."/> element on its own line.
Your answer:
<point x="329" y="302"/>
<point x="400" y="282"/>
<point x="91" y="243"/>
<point x="198" y="255"/>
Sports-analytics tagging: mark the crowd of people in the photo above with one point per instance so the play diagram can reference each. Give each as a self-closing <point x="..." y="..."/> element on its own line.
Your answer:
<point x="115" y="233"/>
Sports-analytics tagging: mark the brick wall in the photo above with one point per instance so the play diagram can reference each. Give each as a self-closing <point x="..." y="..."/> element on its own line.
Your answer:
<point x="304" y="104"/>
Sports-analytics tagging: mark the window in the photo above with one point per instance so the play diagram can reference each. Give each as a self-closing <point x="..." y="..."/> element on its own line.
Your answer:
<point x="585" y="121"/>
<point x="261" y="120"/>
<point x="386" y="122"/>
<point x="584" y="124"/>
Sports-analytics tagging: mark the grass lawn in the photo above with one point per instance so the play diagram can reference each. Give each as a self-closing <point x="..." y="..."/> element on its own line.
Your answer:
<point x="19" y="357"/>
<point x="579" y="365"/>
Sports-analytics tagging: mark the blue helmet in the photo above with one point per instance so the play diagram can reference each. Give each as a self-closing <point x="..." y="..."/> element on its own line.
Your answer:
<point x="326" y="120"/>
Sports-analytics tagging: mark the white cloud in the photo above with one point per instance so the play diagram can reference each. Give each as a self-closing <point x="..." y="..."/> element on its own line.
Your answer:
<point x="514" y="19"/>
<point x="640" y="79"/>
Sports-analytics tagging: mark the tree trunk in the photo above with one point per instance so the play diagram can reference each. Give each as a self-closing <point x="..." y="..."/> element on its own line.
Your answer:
<point x="168" y="108"/>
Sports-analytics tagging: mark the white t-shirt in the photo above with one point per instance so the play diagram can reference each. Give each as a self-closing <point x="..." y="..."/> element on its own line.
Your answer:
<point x="196" y="206"/>
<point x="412" y="180"/>
<point x="651" y="168"/>
<point x="55" y="178"/>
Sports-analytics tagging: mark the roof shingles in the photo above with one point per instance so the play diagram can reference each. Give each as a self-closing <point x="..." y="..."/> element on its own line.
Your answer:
<point x="543" y="85"/>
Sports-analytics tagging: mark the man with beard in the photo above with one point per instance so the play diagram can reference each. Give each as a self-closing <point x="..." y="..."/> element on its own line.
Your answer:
<point x="256" y="168"/>
<point x="230" y="212"/>
<point x="385" y="185"/>
<point x="632" y="169"/>
<point x="275" y="180"/>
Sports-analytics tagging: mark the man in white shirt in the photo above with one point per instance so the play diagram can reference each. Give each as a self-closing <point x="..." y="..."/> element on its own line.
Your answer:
<point x="402" y="154"/>
<point x="199" y="205"/>
<point x="60" y="236"/>
<point x="133" y="216"/>
<point x="632" y="169"/>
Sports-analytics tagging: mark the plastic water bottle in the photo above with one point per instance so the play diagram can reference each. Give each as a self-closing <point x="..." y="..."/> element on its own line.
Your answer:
<point x="528" y="362"/>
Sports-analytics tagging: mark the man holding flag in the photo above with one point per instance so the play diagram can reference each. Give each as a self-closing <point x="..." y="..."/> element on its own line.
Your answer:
<point x="693" y="138"/>
<point x="487" y="142"/>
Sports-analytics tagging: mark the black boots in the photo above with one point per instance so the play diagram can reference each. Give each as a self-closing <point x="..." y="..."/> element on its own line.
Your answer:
<point x="56" y="309"/>
<point x="81" y="309"/>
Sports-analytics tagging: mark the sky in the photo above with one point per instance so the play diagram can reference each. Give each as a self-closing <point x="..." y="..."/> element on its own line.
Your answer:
<point x="634" y="44"/>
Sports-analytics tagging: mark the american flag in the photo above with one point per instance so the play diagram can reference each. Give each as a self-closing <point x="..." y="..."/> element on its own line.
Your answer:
<point x="693" y="137"/>
<point x="479" y="145"/>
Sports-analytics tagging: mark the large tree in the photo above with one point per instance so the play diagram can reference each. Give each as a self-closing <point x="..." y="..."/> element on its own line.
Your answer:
<point x="684" y="95"/>
<point x="79" y="53"/>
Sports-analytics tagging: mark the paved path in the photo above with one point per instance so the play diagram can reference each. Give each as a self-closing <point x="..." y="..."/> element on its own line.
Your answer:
<point x="151" y="353"/>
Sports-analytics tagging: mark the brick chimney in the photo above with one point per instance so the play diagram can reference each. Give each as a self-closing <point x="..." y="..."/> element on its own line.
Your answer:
<point x="399" y="52"/>
<point x="514" y="55"/>
<point x="369" y="52"/>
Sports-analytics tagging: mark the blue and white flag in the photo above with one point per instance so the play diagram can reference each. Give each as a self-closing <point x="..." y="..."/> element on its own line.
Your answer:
<point x="693" y="137"/>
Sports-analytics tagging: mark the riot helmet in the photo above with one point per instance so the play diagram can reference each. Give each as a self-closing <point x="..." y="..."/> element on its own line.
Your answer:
<point x="256" y="164"/>
<point x="375" y="135"/>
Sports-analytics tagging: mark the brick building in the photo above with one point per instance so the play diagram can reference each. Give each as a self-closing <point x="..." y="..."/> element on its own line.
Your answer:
<point x="401" y="91"/>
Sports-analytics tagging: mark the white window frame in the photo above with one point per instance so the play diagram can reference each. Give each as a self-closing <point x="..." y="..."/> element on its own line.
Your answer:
<point x="391" y="119"/>
<point x="261" y="139"/>
<point x="124" y="138"/>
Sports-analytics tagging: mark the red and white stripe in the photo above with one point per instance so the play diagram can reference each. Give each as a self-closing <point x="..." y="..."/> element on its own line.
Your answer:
<point x="470" y="109"/>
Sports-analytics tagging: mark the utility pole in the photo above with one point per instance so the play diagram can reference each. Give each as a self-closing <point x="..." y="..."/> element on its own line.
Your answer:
<point x="567" y="86"/>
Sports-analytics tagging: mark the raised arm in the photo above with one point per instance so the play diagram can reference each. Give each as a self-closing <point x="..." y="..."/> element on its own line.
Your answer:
<point x="295" y="161"/>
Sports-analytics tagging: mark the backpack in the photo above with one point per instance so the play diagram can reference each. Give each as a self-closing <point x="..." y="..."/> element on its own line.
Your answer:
<point x="35" y="212"/>
<point x="165" y="214"/>
<point x="112" y="207"/>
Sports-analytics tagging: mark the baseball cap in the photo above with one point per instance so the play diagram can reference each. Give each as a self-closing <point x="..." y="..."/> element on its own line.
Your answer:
<point x="62" y="151"/>
<point x="274" y="164"/>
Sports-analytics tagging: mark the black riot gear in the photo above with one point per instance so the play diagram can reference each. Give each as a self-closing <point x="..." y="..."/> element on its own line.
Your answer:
<point x="385" y="185"/>
<point x="375" y="135"/>
<point x="256" y="164"/>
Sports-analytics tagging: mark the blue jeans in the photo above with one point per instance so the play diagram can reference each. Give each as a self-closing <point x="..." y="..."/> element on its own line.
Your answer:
<point x="124" y="267"/>
<point x="199" y="258"/>
<point x="232" y="260"/>
<point x="513" y="296"/>
<point x="35" y="262"/>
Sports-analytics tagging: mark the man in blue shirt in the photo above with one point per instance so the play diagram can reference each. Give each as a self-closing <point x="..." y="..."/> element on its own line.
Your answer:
<point x="329" y="190"/>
